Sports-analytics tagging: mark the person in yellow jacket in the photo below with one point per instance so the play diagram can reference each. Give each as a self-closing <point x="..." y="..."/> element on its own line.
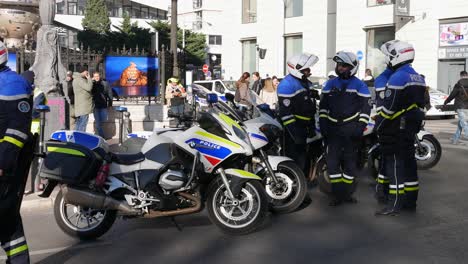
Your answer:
<point x="175" y="94"/>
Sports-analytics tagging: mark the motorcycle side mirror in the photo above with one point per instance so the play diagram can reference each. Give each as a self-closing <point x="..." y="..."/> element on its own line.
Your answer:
<point x="230" y="97"/>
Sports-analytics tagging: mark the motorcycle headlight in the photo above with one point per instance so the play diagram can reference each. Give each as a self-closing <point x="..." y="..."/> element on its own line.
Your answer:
<point x="272" y="132"/>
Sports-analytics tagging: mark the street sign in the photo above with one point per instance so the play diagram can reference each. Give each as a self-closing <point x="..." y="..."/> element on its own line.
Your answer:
<point x="205" y="68"/>
<point x="360" y="55"/>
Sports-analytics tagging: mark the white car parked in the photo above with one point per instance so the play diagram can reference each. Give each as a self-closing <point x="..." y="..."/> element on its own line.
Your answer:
<point x="437" y="102"/>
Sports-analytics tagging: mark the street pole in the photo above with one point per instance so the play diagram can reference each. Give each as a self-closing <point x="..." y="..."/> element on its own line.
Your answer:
<point x="284" y="38"/>
<point x="183" y="37"/>
<point x="258" y="57"/>
<point x="175" y="69"/>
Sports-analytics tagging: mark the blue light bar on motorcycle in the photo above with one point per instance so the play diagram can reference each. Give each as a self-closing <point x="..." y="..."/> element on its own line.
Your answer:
<point x="120" y="109"/>
<point x="212" y="98"/>
<point x="43" y="108"/>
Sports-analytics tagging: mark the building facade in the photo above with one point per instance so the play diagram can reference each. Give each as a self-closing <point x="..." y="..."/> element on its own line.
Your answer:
<point x="437" y="29"/>
<point x="282" y="27"/>
<point x="70" y="13"/>
<point x="205" y="16"/>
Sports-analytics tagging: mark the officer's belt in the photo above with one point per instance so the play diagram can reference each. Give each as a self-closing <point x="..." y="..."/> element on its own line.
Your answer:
<point x="340" y="120"/>
<point x="397" y="114"/>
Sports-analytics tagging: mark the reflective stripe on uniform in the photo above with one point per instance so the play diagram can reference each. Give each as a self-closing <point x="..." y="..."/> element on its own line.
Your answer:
<point x="397" y="114"/>
<point x="293" y="94"/>
<point x="400" y="186"/>
<point x="289" y="122"/>
<point x="13" y="141"/>
<point x="16" y="250"/>
<point x="395" y="192"/>
<point x="348" y="179"/>
<point x="382" y="179"/>
<point x="17" y="133"/>
<point x="327" y="116"/>
<point x="287" y="117"/>
<point x="399" y="87"/>
<point x="303" y="117"/>
<point x="411" y="186"/>
<point x="364" y="120"/>
<point x="14" y="242"/>
<point x="334" y="176"/>
<point x="351" y="117"/>
<point x="14" y="97"/>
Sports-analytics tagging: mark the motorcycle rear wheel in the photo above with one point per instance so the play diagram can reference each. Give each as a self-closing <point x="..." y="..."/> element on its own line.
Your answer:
<point x="429" y="143"/>
<point x="71" y="219"/>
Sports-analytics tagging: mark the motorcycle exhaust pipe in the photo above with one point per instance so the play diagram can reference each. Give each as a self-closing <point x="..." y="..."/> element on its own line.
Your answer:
<point x="95" y="201"/>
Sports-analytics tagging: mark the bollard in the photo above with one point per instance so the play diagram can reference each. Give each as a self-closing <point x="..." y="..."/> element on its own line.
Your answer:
<point x="121" y="111"/>
<point x="127" y="124"/>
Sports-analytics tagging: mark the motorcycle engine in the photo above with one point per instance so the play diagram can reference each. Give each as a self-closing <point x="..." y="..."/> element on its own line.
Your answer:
<point x="172" y="180"/>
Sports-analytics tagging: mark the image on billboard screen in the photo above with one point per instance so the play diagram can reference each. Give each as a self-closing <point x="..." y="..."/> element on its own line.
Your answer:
<point x="132" y="76"/>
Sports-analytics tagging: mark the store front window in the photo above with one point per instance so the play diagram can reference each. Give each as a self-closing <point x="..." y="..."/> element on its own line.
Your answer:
<point x="375" y="38"/>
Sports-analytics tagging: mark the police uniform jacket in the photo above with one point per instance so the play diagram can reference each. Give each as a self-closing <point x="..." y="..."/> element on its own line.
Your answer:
<point x="297" y="106"/>
<point x="15" y="116"/>
<point x="400" y="104"/>
<point x="344" y="107"/>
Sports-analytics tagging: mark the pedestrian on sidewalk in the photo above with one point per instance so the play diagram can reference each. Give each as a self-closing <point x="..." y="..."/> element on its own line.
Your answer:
<point x="82" y="87"/>
<point x="268" y="94"/>
<point x="71" y="96"/>
<point x="460" y="94"/>
<point x="369" y="78"/>
<point x="242" y="95"/>
<point x="276" y="82"/>
<point x="257" y="82"/>
<point x="102" y="98"/>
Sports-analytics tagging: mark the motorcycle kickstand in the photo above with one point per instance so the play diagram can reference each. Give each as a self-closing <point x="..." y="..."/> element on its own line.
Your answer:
<point x="176" y="224"/>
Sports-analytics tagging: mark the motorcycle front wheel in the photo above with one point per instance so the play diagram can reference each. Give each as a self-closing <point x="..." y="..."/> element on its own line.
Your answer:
<point x="243" y="215"/>
<point x="290" y="191"/>
<point x="81" y="222"/>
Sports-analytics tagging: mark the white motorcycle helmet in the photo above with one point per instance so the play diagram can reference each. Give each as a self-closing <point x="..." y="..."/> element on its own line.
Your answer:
<point x="348" y="58"/>
<point x="3" y="54"/>
<point x="397" y="53"/>
<point x="298" y="63"/>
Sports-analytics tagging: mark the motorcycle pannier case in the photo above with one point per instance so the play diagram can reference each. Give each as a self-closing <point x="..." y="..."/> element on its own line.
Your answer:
<point x="69" y="163"/>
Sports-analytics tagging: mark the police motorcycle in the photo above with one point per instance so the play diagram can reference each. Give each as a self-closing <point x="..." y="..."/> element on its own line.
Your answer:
<point x="176" y="172"/>
<point x="284" y="181"/>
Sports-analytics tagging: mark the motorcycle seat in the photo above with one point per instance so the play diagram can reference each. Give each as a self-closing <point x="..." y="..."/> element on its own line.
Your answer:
<point x="128" y="159"/>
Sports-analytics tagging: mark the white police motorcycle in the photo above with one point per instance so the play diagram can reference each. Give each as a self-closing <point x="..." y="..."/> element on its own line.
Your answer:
<point x="177" y="172"/>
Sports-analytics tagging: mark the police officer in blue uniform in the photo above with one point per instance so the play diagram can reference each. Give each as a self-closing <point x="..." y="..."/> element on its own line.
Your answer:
<point x="344" y="114"/>
<point x="380" y="83"/>
<point x="297" y="107"/>
<point x="398" y="121"/>
<point x="15" y="123"/>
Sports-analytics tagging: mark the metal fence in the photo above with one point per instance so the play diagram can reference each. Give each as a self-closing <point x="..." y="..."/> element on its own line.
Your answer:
<point x="95" y="60"/>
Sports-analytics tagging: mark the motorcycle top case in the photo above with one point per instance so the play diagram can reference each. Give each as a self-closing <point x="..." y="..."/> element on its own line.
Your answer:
<point x="69" y="163"/>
